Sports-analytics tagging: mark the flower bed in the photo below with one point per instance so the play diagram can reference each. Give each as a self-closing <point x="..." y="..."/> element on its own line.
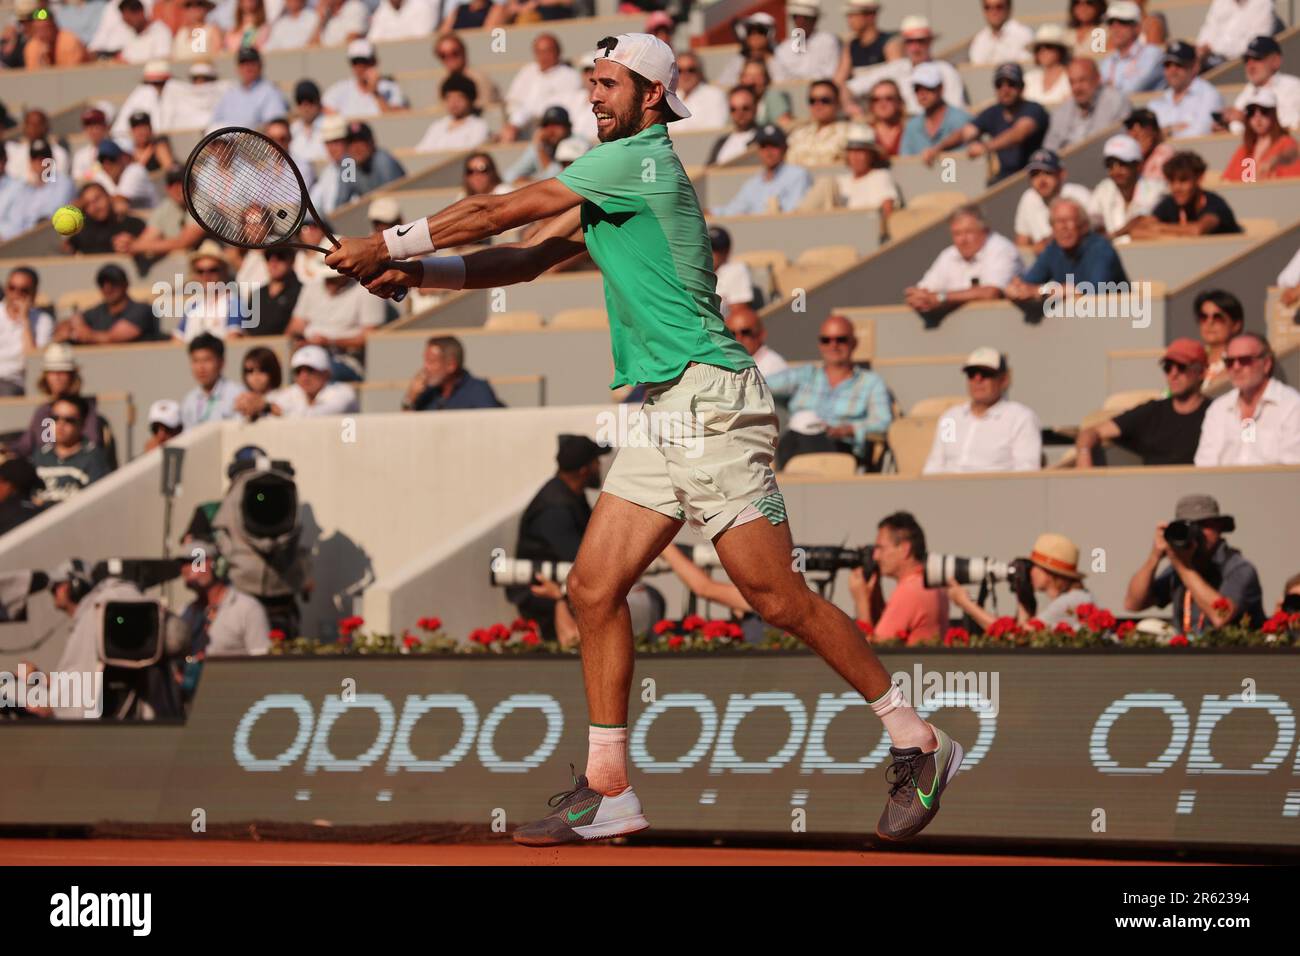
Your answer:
<point x="1095" y="627"/>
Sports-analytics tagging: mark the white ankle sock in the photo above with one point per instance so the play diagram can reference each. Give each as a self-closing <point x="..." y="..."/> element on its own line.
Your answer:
<point x="905" y="726"/>
<point x="607" y="759"/>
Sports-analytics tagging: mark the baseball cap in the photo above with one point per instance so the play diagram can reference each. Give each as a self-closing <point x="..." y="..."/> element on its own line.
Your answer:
<point x="40" y="149"/>
<point x="333" y="128"/>
<point x="92" y="115"/>
<point x="361" y="50"/>
<point x="570" y="149"/>
<point x="1050" y="34"/>
<point x="764" y="21"/>
<point x="651" y="58"/>
<point x="986" y="357"/>
<point x="384" y="209"/>
<point x="165" y="411"/>
<point x="157" y="70"/>
<point x="306" y="91"/>
<point x="1260" y="47"/>
<point x="1043" y="161"/>
<point x="1202" y="508"/>
<point x="140" y="118"/>
<point x="857" y="6"/>
<point x="361" y="131"/>
<point x="556" y="116"/>
<point x="770" y="135"/>
<point x="915" y="28"/>
<point x="1126" y="11"/>
<point x="860" y="136"/>
<point x="202" y="68"/>
<point x="719" y="238"/>
<point x="804" y="8"/>
<point x="1188" y="351"/>
<point x="1123" y="147"/>
<point x="927" y="75"/>
<point x="58" y="357"/>
<point x="248" y="54"/>
<point x="1180" y="52"/>
<point x="311" y="356"/>
<point x="577" y="450"/>
<point x="1261" y="97"/>
<point x="110" y="274"/>
<point x="1009" y="71"/>
<point x="108" y="149"/>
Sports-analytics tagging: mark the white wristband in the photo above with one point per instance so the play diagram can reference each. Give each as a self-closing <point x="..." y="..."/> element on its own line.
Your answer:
<point x="409" y="240"/>
<point x="443" y="272"/>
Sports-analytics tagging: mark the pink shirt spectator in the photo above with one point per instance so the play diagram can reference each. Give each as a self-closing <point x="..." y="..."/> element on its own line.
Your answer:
<point x="913" y="612"/>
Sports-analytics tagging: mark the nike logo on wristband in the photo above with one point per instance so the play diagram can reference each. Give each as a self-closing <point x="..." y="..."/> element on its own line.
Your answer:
<point x="401" y="233"/>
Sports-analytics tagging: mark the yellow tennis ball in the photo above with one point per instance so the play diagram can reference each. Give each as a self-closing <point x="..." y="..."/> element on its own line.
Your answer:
<point x="68" y="220"/>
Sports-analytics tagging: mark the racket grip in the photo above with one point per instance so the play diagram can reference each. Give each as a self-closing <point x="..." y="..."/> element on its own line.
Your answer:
<point x="399" y="295"/>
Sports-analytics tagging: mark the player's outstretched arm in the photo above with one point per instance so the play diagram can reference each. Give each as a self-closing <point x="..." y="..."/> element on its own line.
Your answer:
<point x="559" y="241"/>
<point x="471" y="220"/>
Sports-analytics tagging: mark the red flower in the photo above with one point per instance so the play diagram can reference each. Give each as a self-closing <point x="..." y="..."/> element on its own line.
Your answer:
<point x="955" y="635"/>
<point x="662" y="627"/>
<point x="865" y="627"/>
<point x="1274" y="624"/>
<point x="429" y="623"/>
<point x="1178" y="640"/>
<point x="1034" y="624"/>
<point x="714" y="629"/>
<point x="675" y="641"/>
<point x="1063" y="628"/>
<point x="693" y="622"/>
<point x="410" y="640"/>
<point x="1084" y="611"/>
<point x="499" y="632"/>
<point x="1125" y="629"/>
<point x="519" y="624"/>
<point x="735" y="631"/>
<point x="480" y="636"/>
<point x="277" y="635"/>
<point x="1004" y="627"/>
<point x="531" y="639"/>
<point x="1221" y="604"/>
<point x="350" y="624"/>
<point x="1100" y="620"/>
<point x="532" y="625"/>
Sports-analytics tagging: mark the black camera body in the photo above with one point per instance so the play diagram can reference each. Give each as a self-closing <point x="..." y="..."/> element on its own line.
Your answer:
<point x="1180" y="534"/>
<point x="831" y="559"/>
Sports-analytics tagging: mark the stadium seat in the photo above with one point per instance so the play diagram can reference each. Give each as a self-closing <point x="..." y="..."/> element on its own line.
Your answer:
<point x="1121" y="402"/>
<point x="1258" y="227"/>
<point x="770" y="259"/>
<point x="864" y="330"/>
<point x="77" y="300"/>
<point x="910" y="439"/>
<point x="830" y="464"/>
<point x="579" y="319"/>
<point x="513" y="322"/>
<point x="934" y="407"/>
<point x="831" y="258"/>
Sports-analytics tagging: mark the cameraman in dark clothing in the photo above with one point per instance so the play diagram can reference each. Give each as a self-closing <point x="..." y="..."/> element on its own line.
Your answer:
<point x="1208" y="583"/>
<point x="551" y="529"/>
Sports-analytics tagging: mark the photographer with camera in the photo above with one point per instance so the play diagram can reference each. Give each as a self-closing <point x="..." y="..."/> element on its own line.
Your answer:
<point x="1208" y="583"/>
<point x="1052" y="567"/>
<point x="551" y="529"/>
<point x="913" y="612"/>
<point x="222" y="620"/>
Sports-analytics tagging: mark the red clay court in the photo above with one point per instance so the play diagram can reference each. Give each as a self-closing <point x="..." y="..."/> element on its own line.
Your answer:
<point x="265" y="853"/>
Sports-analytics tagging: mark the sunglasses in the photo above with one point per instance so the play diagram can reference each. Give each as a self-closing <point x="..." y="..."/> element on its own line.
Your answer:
<point x="750" y="333"/>
<point x="1169" y="365"/>
<point x="1112" y="162"/>
<point x="211" y="271"/>
<point x="1256" y="110"/>
<point x="1207" y="316"/>
<point x="21" y="289"/>
<point x="1001" y="83"/>
<point x="447" y="54"/>
<point x="67" y="419"/>
<point x="821" y="101"/>
<point x="833" y="339"/>
<point x="476" y="169"/>
<point x="1245" y="361"/>
<point x="981" y="373"/>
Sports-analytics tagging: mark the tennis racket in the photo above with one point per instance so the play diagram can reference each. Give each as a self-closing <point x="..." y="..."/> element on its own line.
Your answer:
<point x="243" y="189"/>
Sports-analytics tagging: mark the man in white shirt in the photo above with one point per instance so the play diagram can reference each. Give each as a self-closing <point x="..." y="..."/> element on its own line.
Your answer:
<point x="1264" y="72"/>
<point x="36" y="126"/>
<point x="1125" y="194"/>
<point x="123" y="176"/>
<point x="189" y="105"/>
<point x="366" y="93"/>
<point x="1002" y="40"/>
<point x="403" y="20"/>
<point x="707" y="103"/>
<point x="1258" y="421"/>
<point x="229" y="623"/>
<point x="735" y="284"/>
<point x="1188" y="106"/>
<point x="213" y="397"/>
<point x="807" y="53"/>
<point x="461" y="128"/>
<point x="342" y="21"/>
<point x="1046" y="185"/>
<point x="918" y="39"/>
<point x="305" y="129"/>
<point x="547" y="81"/>
<point x="338" y="314"/>
<point x="743" y="106"/>
<point x="293" y="28"/>
<point x="977" y="266"/>
<point x="145" y="98"/>
<point x="334" y="136"/>
<point x="1230" y="25"/>
<point x="85" y="160"/>
<point x="145" y="39"/>
<point x="750" y="332"/>
<point x="112" y="34"/>
<point x="990" y="432"/>
<point x="312" y="394"/>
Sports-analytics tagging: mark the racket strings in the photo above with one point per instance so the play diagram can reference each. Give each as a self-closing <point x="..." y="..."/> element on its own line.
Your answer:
<point x="244" y="191"/>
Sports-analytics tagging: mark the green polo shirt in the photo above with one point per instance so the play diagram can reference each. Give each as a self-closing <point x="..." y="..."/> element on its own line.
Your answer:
<point x="643" y="227"/>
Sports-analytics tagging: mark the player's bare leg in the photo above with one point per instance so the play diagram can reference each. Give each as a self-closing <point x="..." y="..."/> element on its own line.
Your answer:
<point x="758" y="557"/>
<point x="620" y="542"/>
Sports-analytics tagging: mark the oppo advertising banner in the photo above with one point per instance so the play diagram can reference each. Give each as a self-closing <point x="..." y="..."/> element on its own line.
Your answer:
<point x="1183" y="748"/>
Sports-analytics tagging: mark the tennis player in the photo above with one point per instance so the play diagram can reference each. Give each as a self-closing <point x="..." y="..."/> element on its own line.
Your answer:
<point x="629" y="203"/>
